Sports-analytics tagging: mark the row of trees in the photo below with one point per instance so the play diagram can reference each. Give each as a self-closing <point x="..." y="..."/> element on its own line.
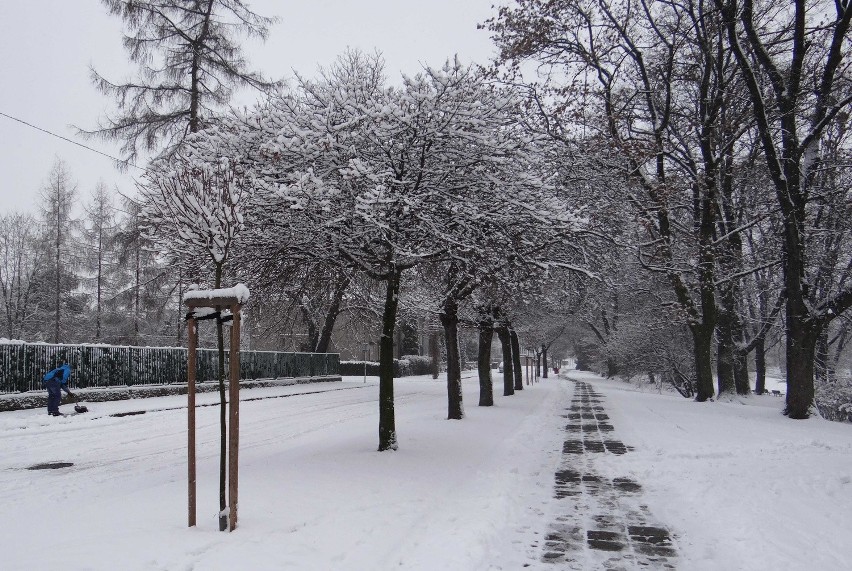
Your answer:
<point x="433" y="191"/>
<point x="82" y="274"/>
<point x="693" y="154"/>
<point x="725" y="123"/>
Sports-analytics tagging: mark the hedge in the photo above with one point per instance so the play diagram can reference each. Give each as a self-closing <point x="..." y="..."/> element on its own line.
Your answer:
<point x="22" y="365"/>
<point x="407" y="366"/>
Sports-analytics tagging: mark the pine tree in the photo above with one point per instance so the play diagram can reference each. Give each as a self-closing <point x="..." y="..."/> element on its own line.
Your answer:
<point x="58" y="194"/>
<point x="99" y="250"/>
<point x="189" y="65"/>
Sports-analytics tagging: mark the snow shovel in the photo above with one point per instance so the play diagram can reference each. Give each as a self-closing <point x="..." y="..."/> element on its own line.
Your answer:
<point x="78" y="408"/>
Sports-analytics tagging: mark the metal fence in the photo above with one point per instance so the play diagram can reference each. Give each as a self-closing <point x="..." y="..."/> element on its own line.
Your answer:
<point x="22" y="365"/>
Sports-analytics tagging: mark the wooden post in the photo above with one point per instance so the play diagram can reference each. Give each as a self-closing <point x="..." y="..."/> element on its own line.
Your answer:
<point x="234" y="418"/>
<point x="192" y="333"/>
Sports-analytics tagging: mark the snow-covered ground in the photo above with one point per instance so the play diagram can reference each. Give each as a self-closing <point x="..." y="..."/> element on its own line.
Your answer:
<point x="739" y="486"/>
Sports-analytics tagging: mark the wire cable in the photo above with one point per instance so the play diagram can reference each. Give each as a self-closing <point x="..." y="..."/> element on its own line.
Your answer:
<point x="37" y="128"/>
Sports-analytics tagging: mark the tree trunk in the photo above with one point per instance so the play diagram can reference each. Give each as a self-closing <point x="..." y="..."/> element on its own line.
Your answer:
<point x="58" y="282"/>
<point x="179" y="313"/>
<point x="760" y="366"/>
<point x="506" y="344"/>
<point x="435" y="354"/>
<point x="312" y="341"/>
<point x="724" y="356"/>
<point x="223" y="426"/>
<point x="516" y="360"/>
<point x="544" y="360"/>
<point x="741" y="379"/>
<point x="801" y="348"/>
<point x="138" y="286"/>
<point x="100" y="279"/>
<point x="331" y="316"/>
<point x="483" y="364"/>
<point x="450" y="320"/>
<point x="387" y="422"/>
<point x="702" y="345"/>
<point x="731" y="361"/>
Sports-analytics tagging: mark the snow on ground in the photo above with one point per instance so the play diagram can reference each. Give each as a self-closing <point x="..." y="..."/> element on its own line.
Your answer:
<point x="739" y="486"/>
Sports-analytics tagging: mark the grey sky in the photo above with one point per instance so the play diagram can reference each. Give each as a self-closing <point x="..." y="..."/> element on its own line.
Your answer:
<point x="47" y="46"/>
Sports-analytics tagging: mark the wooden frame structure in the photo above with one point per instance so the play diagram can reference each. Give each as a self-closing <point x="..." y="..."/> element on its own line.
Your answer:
<point x="216" y="302"/>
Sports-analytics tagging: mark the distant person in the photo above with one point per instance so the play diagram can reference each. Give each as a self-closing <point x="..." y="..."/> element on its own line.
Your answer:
<point x="55" y="382"/>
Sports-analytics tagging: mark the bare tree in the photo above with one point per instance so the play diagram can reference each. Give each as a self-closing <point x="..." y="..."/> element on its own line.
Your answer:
<point x="795" y="64"/>
<point x="20" y="261"/>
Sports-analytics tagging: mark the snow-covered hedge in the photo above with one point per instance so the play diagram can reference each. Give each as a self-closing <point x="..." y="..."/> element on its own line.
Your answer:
<point x="22" y="365"/>
<point x="418" y="364"/>
<point x="407" y="366"/>
<point x="834" y="398"/>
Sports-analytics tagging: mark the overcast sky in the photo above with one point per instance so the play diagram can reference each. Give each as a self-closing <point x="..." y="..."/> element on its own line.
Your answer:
<point x="48" y="45"/>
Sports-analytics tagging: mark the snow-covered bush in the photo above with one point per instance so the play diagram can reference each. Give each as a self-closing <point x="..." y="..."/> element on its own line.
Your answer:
<point x="418" y="364"/>
<point x="834" y="398"/>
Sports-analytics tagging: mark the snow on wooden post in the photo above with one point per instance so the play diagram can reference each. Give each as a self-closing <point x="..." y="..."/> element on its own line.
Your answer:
<point x="208" y="304"/>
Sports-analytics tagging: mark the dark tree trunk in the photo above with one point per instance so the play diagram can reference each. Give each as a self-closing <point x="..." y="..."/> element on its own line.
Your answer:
<point x="741" y="378"/>
<point x="801" y="349"/>
<point x="611" y="368"/>
<point x="387" y="422"/>
<point x="450" y="321"/>
<point x="506" y="344"/>
<point x="544" y="360"/>
<point x="760" y="366"/>
<point x="516" y="360"/>
<point x="180" y="300"/>
<point x="313" y="333"/>
<point x="486" y="390"/>
<point x="724" y="357"/>
<point x="731" y="360"/>
<point x="702" y="341"/>
<point x="536" y="367"/>
<point x="331" y="316"/>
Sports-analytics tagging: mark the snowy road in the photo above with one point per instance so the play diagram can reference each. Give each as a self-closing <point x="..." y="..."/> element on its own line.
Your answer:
<point x="314" y="493"/>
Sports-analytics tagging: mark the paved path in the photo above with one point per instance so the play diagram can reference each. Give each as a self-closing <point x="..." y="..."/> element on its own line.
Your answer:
<point x="600" y="522"/>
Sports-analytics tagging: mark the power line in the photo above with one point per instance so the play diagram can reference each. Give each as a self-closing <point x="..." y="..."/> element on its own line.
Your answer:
<point x="126" y="162"/>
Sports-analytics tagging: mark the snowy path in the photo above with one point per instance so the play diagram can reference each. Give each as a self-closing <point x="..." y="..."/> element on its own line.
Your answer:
<point x="540" y="481"/>
<point x="601" y="521"/>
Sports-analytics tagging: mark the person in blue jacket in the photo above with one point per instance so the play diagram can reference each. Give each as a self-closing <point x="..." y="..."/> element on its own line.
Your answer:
<point x="55" y="382"/>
